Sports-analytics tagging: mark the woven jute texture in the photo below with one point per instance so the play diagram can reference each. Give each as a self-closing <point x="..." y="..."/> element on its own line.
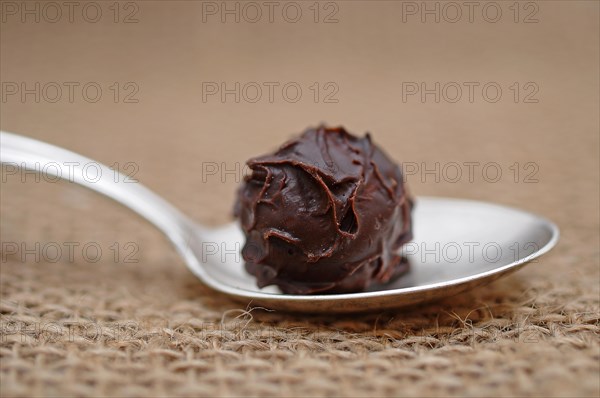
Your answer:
<point x="120" y="314"/>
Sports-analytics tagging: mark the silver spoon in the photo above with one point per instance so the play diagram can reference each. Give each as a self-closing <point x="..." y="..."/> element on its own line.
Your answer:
<point x="459" y="244"/>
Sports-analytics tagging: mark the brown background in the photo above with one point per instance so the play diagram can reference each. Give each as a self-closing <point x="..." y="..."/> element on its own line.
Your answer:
<point x="163" y="333"/>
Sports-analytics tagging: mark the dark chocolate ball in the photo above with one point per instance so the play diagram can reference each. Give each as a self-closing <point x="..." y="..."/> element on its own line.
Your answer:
<point x="326" y="213"/>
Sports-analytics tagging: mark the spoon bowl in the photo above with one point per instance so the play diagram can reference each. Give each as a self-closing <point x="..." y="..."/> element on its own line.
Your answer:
<point x="457" y="245"/>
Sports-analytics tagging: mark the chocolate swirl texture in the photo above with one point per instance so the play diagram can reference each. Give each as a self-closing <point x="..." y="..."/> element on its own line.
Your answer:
<point x="326" y="213"/>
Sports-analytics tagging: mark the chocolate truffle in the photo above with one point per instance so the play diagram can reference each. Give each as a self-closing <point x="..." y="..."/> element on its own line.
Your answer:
<point x="326" y="213"/>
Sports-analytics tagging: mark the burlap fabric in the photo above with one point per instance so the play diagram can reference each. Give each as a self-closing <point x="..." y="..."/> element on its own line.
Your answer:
<point x="134" y="321"/>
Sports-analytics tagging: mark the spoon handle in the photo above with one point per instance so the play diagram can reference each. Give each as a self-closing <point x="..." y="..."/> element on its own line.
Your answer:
<point x="19" y="152"/>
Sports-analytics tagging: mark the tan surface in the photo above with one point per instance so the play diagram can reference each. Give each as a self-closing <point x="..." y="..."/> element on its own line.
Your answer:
<point x="163" y="333"/>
